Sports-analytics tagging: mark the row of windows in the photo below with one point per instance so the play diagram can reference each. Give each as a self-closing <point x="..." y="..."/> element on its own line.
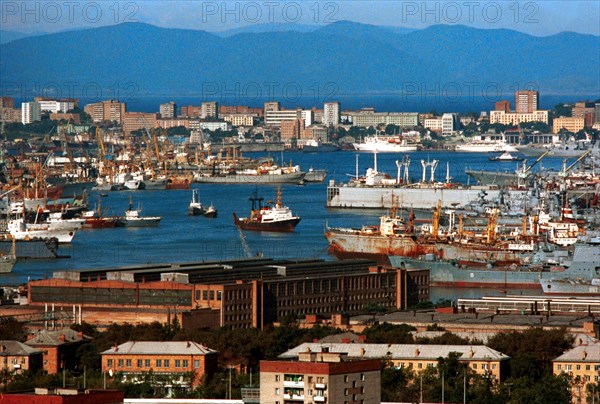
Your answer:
<point x="238" y="294"/>
<point x="299" y="378"/>
<point x="309" y="287"/>
<point x="209" y="295"/>
<point x="147" y="363"/>
<point x="474" y="366"/>
<point x="14" y="361"/>
<point x="577" y="367"/>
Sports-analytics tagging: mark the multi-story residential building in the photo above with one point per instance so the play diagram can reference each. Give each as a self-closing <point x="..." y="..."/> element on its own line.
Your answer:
<point x="173" y="122"/>
<point x="515" y="118"/>
<point x="321" y="377"/>
<point x="58" y="347"/>
<point x="134" y="359"/>
<point x="572" y="124"/>
<point x="110" y="110"/>
<point x="597" y="112"/>
<point x="291" y="129"/>
<point x="331" y="113"/>
<point x="55" y="106"/>
<point x="191" y="111"/>
<point x="274" y="118"/>
<point x="366" y="118"/>
<point x="503" y="105"/>
<point x="240" y="109"/>
<point x="10" y="114"/>
<point x="210" y="110"/>
<point x="30" y="112"/>
<point x="232" y="294"/>
<point x="196" y="124"/>
<point x="318" y="115"/>
<point x="271" y="106"/>
<point x="73" y="101"/>
<point x="434" y="124"/>
<point x="582" y="364"/>
<point x="585" y="110"/>
<point x="480" y="359"/>
<point x="308" y="116"/>
<point x="7" y="102"/>
<point x="133" y="121"/>
<point x="168" y="110"/>
<point x="450" y="124"/>
<point x="246" y="119"/>
<point x="16" y="357"/>
<point x="526" y="101"/>
<point x="316" y="132"/>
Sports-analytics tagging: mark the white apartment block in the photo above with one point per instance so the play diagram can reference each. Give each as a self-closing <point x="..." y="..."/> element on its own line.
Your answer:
<point x="370" y="118"/>
<point x="274" y="118"/>
<point x="331" y="113"/>
<point x="168" y="110"/>
<point x="212" y="126"/>
<point x="30" y="112"/>
<point x="450" y="123"/>
<point x="308" y="117"/>
<point x="210" y="110"/>
<point x="515" y="118"/>
<point x="54" y="107"/>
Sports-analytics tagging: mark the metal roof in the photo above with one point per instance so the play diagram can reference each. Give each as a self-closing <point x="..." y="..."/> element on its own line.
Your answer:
<point x="401" y="351"/>
<point x="160" y="348"/>
<point x="16" y="348"/>
<point x="581" y="353"/>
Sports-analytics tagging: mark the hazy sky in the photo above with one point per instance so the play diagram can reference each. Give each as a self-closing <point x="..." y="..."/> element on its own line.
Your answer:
<point x="541" y="18"/>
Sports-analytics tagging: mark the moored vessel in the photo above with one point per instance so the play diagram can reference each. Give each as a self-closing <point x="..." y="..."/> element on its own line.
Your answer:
<point x="269" y="217"/>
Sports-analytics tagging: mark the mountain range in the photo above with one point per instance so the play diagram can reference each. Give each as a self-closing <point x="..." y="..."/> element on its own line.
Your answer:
<point x="357" y="58"/>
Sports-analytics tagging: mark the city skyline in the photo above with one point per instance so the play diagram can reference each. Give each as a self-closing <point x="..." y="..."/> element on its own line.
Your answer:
<point x="535" y="18"/>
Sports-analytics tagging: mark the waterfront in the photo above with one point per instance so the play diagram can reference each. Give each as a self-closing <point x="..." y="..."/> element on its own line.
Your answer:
<point x="183" y="238"/>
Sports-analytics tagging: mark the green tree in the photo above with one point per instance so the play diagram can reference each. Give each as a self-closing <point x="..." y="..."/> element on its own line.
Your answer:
<point x="387" y="333"/>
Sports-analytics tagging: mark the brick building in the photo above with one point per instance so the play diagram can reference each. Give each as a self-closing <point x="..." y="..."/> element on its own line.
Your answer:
<point x="133" y="121"/>
<point x="191" y="111"/>
<point x="526" y="101"/>
<point x="63" y="396"/>
<point x="109" y="110"/>
<point x="321" y="377"/>
<point x="237" y="294"/>
<point x="239" y="109"/>
<point x="503" y="105"/>
<point x="585" y="110"/>
<point x="133" y="359"/>
<point x="291" y="129"/>
<point x="17" y="357"/>
<point x="7" y="102"/>
<point x="58" y="347"/>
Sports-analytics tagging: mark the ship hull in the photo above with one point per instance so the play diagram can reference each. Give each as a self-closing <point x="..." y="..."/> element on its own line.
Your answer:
<point x="445" y="274"/>
<point x="140" y="222"/>
<point x="293" y="178"/>
<point x="375" y="247"/>
<point x="324" y="148"/>
<point x="100" y="223"/>
<point x="339" y="196"/>
<point x="7" y="264"/>
<point x="31" y="249"/>
<point x="283" y="226"/>
<point x="493" y="177"/>
<point x="315" y="176"/>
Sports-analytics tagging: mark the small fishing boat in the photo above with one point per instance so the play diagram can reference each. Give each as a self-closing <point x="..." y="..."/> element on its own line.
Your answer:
<point x="210" y="212"/>
<point x="133" y="219"/>
<point x="195" y="207"/>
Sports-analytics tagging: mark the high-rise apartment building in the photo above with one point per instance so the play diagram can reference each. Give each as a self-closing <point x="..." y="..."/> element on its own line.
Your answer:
<point x="109" y="110"/>
<point x="503" y="105"/>
<point x="526" y="101"/>
<point x="168" y="110"/>
<point x="210" y="110"/>
<point x="30" y="112"/>
<point x="331" y="113"/>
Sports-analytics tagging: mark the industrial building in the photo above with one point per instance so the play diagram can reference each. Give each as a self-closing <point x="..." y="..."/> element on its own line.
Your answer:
<point x="238" y="293"/>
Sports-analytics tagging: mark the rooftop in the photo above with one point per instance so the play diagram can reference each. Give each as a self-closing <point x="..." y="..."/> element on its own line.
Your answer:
<point x="56" y="337"/>
<point x="16" y="348"/>
<point x="160" y="348"/>
<point x="400" y="351"/>
<point x="581" y="353"/>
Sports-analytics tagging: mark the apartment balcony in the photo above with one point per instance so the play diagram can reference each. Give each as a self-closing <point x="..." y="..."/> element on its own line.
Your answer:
<point x="320" y="386"/>
<point x="291" y="383"/>
<point x="319" y="399"/>
<point x="293" y="397"/>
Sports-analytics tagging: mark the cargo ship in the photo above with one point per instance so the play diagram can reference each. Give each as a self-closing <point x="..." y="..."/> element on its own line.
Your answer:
<point x="277" y="218"/>
<point x="30" y="249"/>
<point x="376" y="190"/>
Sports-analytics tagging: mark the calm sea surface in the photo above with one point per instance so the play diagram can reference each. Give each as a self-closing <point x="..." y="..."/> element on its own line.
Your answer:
<point x="183" y="238"/>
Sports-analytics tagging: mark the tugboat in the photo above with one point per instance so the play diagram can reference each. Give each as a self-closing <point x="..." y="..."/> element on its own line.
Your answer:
<point x="275" y="218"/>
<point x="133" y="219"/>
<point x="195" y="207"/>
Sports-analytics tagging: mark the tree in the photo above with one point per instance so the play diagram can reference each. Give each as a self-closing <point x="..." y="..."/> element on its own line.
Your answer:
<point x="387" y="333"/>
<point x="562" y="110"/>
